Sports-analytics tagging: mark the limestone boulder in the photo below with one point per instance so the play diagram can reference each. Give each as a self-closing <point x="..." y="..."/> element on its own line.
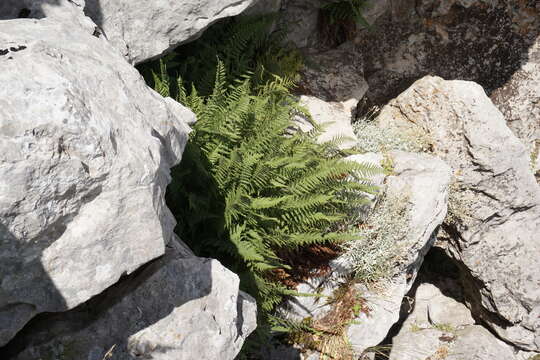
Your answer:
<point x="494" y="43"/>
<point x="85" y="153"/>
<point x="66" y="11"/>
<point x="300" y="18"/>
<point x="477" y="343"/>
<point x="178" y="307"/>
<point x="494" y="207"/>
<point x="143" y="30"/>
<point x="477" y="40"/>
<point x="519" y="101"/>
<point x="335" y="75"/>
<point x="418" y="183"/>
<point x="417" y="190"/>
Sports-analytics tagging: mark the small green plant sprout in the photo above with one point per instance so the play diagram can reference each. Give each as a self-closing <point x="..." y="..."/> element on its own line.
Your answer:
<point x="388" y="164"/>
<point x="534" y="154"/>
<point x="444" y="327"/>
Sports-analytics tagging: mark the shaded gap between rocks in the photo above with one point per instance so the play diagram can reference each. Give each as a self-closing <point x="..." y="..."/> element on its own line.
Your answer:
<point x="49" y="330"/>
<point x="491" y="59"/>
<point x="437" y="265"/>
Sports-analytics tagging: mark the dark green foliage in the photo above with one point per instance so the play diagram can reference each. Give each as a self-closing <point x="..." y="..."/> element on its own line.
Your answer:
<point x="243" y="44"/>
<point x="346" y="10"/>
<point x="246" y="190"/>
<point x="249" y="188"/>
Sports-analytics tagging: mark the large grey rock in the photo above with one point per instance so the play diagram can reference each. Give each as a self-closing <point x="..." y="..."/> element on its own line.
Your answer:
<point x="143" y="30"/>
<point x="300" y="19"/>
<point x="495" y="200"/>
<point x="485" y="41"/>
<point x="422" y="183"/>
<point x="492" y="42"/>
<point x="418" y="187"/>
<point x="68" y="11"/>
<point x="519" y="101"/>
<point x="442" y="328"/>
<point x="176" y="308"/>
<point x="374" y="9"/>
<point x="477" y="343"/>
<point x="85" y="153"/>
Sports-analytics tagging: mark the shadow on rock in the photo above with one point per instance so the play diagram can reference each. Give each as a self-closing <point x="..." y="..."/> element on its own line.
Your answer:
<point x="20" y="9"/>
<point x="483" y="43"/>
<point x="26" y="280"/>
<point x="133" y="317"/>
<point x="92" y="9"/>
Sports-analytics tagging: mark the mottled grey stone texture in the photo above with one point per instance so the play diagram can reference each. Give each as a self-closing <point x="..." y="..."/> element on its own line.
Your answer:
<point x="143" y="30"/>
<point x="176" y="308"/>
<point x="85" y="153"/>
<point x="494" y="200"/>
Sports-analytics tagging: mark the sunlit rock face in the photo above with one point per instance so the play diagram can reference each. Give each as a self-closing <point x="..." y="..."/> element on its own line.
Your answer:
<point x="85" y="153"/>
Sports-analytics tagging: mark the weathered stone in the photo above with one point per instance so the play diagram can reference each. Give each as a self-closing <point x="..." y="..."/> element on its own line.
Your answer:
<point x="300" y="19"/>
<point x="369" y="329"/>
<point x="440" y="326"/>
<point x="449" y="335"/>
<point x="477" y="343"/>
<point x="519" y="101"/>
<point x="336" y="75"/>
<point x="419" y="182"/>
<point x="422" y="182"/>
<point x="38" y="9"/>
<point x="494" y="43"/>
<point x="85" y="153"/>
<point x="446" y="311"/>
<point x="143" y="31"/>
<point x="374" y="9"/>
<point x="471" y="343"/>
<point x="63" y="11"/>
<point x="494" y="203"/>
<point x="481" y="41"/>
<point x="176" y="308"/>
<point x="334" y="118"/>
<point x="419" y="344"/>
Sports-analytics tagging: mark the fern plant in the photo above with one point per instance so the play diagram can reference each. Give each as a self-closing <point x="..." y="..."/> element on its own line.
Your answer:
<point x="243" y="45"/>
<point x="252" y="190"/>
<point x="248" y="189"/>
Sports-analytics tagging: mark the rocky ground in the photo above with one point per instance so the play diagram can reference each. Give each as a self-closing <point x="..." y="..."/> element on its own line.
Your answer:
<point x="483" y="121"/>
<point x="443" y="96"/>
<point x="89" y="262"/>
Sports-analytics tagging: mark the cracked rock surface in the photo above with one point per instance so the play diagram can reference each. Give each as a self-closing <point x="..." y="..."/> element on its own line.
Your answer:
<point x="85" y="153"/>
<point x="494" y="202"/>
<point x="143" y="31"/>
